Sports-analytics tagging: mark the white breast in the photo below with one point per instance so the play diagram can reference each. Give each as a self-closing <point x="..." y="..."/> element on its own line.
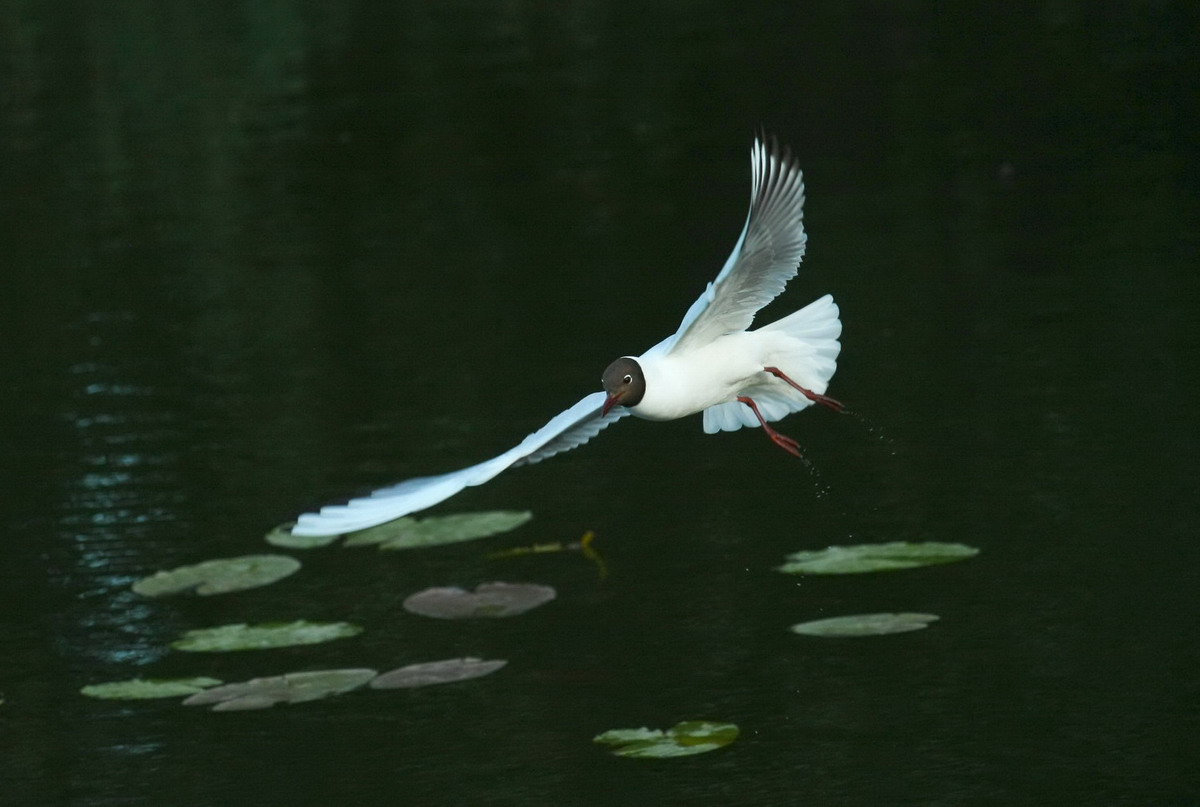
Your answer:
<point x="678" y="385"/>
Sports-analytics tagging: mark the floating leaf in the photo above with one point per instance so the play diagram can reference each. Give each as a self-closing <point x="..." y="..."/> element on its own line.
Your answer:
<point x="259" y="693"/>
<point x="488" y="600"/>
<point x="145" y="689"/>
<point x="685" y="739"/>
<point x="436" y="672"/>
<point x="887" y="557"/>
<point x="282" y="536"/>
<point x="412" y="533"/>
<point x="219" y="576"/>
<point x="865" y="624"/>
<point x="373" y="536"/>
<point x="264" y="636"/>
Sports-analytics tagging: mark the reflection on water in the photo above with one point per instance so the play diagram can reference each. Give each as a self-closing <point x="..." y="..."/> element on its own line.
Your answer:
<point x="122" y="483"/>
<point x="267" y="255"/>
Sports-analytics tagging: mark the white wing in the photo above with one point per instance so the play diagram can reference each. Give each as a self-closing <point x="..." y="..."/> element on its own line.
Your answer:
<point x="765" y="258"/>
<point x="565" y="431"/>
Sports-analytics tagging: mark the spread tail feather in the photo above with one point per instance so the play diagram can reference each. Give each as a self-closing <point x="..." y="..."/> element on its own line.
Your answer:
<point x="811" y="361"/>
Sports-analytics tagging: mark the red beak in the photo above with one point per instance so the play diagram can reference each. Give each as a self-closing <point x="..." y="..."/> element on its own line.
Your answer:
<point x="609" y="403"/>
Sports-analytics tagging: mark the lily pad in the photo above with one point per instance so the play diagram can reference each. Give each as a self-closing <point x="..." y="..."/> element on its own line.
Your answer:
<point x="685" y="739"/>
<point x="282" y="536"/>
<point x="146" y="689"/>
<point x="218" y="576"/>
<point x="260" y="693"/>
<point x="413" y="533"/>
<point x="865" y="624"/>
<point x="488" y="600"/>
<point x="859" y="558"/>
<point x="264" y="636"/>
<point x="436" y="672"/>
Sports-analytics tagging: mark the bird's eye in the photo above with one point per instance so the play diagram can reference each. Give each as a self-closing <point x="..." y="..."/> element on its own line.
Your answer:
<point x="628" y="379"/>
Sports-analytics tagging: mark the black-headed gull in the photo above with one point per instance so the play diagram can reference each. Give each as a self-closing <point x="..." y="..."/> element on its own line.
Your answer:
<point x="712" y="364"/>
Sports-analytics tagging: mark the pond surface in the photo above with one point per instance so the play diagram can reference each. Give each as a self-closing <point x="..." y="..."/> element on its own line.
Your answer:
<point x="263" y="256"/>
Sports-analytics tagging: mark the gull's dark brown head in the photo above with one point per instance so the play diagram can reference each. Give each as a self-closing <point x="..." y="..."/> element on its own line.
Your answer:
<point x="624" y="383"/>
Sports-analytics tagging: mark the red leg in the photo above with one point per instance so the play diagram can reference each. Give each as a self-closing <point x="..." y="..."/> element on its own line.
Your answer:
<point x="824" y="400"/>
<point x="782" y="440"/>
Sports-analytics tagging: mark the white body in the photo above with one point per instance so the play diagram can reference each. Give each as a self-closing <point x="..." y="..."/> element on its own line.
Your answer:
<point x="678" y="385"/>
<point x="711" y="360"/>
<point x="803" y="345"/>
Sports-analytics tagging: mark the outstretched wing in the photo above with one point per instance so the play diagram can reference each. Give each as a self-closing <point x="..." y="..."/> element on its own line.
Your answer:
<point x="565" y="431"/>
<point x="765" y="258"/>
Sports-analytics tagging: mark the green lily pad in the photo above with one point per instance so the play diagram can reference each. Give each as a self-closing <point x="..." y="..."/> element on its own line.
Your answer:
<point x="374" y="536"/>
<point x="218" y="576"/>
<point x="145" y="689"/>
<point x="888" y="557"/>
<point x="865" y="624"/>
<point x="685" y="739"/>
<point x="262" y="637"/>
<point x="436" y="672"/>
<point x="488" y="600"/>
<point x="282" y="536"/>
<point x="260" y="693"/>
<point x="413" y="533"/>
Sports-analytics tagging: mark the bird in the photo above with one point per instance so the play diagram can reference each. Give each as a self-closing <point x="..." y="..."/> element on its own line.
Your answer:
<point x="713" y="364"/>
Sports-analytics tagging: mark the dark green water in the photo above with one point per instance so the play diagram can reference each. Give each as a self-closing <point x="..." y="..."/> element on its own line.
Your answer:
<point x="259" y="256"/>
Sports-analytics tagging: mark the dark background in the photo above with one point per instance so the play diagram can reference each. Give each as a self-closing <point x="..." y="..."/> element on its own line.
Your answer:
<point x="257" y="256"/>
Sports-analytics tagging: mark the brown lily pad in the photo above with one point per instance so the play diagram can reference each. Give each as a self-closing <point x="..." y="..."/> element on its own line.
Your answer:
<point x="436" y="672"/>
<point x="489" y="600"/>
<point x="260" y="693"/>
